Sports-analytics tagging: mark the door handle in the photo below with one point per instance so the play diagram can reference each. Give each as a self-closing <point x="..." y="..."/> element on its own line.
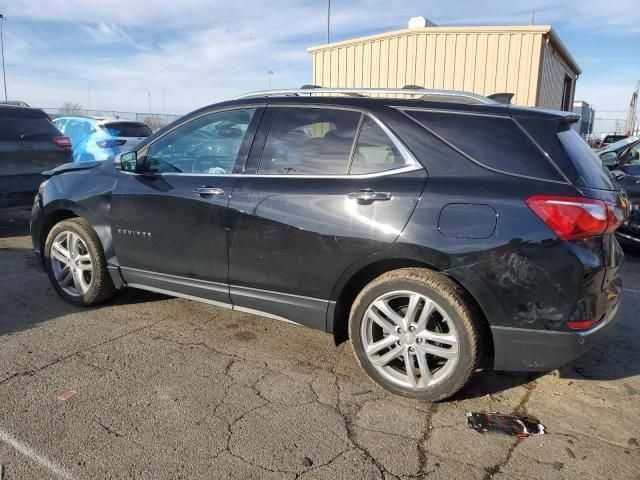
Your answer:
<point x="208" y="191"/>
<point x="369" y="196"/>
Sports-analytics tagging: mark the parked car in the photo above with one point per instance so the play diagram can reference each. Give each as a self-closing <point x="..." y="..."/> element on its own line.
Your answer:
<point x="99" y="138"/>
<point x="622" y="155"/>
<point x="437" y="235"/>
<point x="623" y="159"/>
<point x="609" y="139"/>
<point x="29" y="144"/>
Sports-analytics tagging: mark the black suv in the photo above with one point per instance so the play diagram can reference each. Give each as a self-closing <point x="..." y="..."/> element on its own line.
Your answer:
<point x="29" y="144"/>
<point x="433" y="232"/>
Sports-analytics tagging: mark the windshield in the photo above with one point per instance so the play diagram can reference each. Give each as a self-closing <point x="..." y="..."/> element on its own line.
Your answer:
<point x="618" y="145"/>
<point x="593" y="174"/>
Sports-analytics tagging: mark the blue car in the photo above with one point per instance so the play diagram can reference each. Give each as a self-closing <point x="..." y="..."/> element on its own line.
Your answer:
<point x="98" y="138"/>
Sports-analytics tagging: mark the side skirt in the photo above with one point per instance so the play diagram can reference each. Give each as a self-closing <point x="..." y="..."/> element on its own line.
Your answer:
<point x="296" y="309"/>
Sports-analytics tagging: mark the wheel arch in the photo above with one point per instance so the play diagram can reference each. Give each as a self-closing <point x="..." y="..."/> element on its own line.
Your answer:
<point x="60" y="210"/>
<point x="346" y="293"/>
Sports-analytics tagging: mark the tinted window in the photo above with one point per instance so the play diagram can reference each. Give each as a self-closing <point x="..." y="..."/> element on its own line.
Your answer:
<point x="127" y="129"/>
<point x="207" y="144"/>
<point x="375" y="152"/>
<point x="496" y="142"/>
<point x="20" y="124"/>
<point x="310" y="141"/>
<point x="593" y="173"/>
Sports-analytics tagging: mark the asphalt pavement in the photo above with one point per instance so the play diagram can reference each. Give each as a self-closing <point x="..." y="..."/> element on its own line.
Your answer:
<point x="149" y="386"/>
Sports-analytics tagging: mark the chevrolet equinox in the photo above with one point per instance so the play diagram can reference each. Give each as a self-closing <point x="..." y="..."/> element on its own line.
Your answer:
<point x="437" y="231"/>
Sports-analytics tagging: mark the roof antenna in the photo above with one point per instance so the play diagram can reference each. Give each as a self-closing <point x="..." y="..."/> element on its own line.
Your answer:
<point x="532" y="20"/>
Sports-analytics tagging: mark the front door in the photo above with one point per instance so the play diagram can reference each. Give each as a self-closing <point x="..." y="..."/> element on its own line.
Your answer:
<point x="332" y="186"/>
<point x="169" y="222"/>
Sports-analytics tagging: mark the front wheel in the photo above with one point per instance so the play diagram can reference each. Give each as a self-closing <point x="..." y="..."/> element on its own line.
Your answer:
<point x="415" y="333"/>
<point x="76" y="265"/>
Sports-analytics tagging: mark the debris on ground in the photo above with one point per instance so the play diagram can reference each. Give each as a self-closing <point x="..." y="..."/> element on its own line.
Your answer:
<point x="633" y="442"/>
<point x="68" y="395"/>
<point x="307" y="462"/>
<point x="558" y="466"/>
<point x="518" y="426"/>
<point x="570" y="452"/>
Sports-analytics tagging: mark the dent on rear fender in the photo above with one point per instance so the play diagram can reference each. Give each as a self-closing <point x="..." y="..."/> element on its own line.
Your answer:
<point x="535" y="288"/>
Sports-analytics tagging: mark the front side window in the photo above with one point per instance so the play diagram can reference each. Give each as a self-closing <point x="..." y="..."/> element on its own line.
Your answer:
<point x="309" y="141"/>
<point x="375" y="152"/>
<point x="208" y="144"/>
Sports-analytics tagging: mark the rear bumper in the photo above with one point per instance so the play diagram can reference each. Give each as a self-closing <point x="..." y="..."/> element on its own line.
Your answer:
<point x="522" y="349"/>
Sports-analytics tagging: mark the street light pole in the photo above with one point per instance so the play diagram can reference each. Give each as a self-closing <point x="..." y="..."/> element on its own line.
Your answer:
<point x="328" y="18"/>
<point x="4" y="75"/>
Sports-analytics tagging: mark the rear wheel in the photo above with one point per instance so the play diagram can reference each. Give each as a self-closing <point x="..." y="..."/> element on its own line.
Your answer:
<point x="414" y="333"/>
<point x="76" y="265"/>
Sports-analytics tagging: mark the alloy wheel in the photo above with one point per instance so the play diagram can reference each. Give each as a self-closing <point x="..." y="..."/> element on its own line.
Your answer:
<point x="71" y="263"/>
<point x="409" y="339"/>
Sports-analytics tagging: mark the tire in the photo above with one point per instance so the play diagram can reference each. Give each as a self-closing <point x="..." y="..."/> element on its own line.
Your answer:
<point x="445" y="321"/>
<point x="89" y="282"/>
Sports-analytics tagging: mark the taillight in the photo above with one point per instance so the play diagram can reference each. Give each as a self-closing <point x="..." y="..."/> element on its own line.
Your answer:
<point x="62" y="141"/>
<point x="112" y="142"/>
<point x="576" y="217"/>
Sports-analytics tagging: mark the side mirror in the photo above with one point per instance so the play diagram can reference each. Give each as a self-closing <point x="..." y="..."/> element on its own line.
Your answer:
<point x="126" y="162"/>
<point x="609" y="159"/>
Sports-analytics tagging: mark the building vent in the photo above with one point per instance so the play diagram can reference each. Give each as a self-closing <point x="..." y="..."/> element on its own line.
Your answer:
<point x="420" y="22"/>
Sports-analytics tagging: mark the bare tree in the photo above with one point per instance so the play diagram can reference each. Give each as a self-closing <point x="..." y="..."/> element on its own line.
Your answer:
<point x="154" y="122"/>
<point x="71" y="108"/>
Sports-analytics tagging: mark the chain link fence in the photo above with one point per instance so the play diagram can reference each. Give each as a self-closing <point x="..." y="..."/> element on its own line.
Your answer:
<point x="153" y="120"/>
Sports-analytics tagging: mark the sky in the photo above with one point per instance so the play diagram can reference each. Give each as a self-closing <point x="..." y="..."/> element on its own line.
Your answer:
<point x="111" y="55"/>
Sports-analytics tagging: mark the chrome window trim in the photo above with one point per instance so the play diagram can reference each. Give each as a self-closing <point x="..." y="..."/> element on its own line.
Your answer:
<point x="411" y="163"/>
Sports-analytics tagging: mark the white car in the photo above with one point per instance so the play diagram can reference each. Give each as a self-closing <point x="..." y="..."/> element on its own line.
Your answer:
<point x="99" y="138"/>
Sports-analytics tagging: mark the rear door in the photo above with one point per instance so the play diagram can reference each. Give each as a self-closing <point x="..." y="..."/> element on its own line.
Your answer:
<point x="325" y="187"/>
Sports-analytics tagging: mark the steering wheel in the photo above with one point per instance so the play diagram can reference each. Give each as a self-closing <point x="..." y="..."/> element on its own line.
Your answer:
<point x="208" y="164"/>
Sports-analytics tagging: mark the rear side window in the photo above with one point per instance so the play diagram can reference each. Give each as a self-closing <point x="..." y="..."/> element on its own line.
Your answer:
<point x="309" y="141"/>
<point x="495" y="142"/>
<point x="375" y="152"/>
<point x="17" y="124"/>
<point x="127" y="129"/>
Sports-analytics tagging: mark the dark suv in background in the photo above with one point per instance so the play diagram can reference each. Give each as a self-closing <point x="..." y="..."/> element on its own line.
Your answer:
<point x="29" y="144"/>
<point x="433" y="232"/>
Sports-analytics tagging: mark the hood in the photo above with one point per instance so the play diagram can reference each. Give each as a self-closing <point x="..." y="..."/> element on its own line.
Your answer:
<point x="70" y="167"/>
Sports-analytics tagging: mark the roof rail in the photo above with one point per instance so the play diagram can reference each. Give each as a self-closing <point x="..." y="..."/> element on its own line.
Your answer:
<point x="421" y="93"/>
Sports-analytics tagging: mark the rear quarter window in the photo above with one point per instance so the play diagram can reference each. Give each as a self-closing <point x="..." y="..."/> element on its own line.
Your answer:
<point x="492" y="141"/>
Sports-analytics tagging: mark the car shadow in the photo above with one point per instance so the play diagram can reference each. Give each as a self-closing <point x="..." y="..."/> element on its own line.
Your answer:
<point x="27" y="299"/>
<point x="14" y="222"/>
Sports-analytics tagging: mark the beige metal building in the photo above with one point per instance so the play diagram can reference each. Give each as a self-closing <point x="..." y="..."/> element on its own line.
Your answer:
<point x="529" y="61"/>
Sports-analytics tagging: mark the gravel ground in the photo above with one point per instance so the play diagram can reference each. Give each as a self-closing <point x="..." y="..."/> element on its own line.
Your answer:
<point x="168" y="388"/>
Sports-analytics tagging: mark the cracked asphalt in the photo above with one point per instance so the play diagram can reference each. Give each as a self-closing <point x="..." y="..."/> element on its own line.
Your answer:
<point x="169" y="388"/>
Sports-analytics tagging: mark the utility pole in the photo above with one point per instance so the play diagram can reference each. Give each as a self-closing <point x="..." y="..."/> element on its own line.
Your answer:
<point x="149" y="95"/>
<point x="328" y="18"/>
<point x="633" y="108"/>
<point x="269" y="74"/>
<point x="4" y="75"/>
